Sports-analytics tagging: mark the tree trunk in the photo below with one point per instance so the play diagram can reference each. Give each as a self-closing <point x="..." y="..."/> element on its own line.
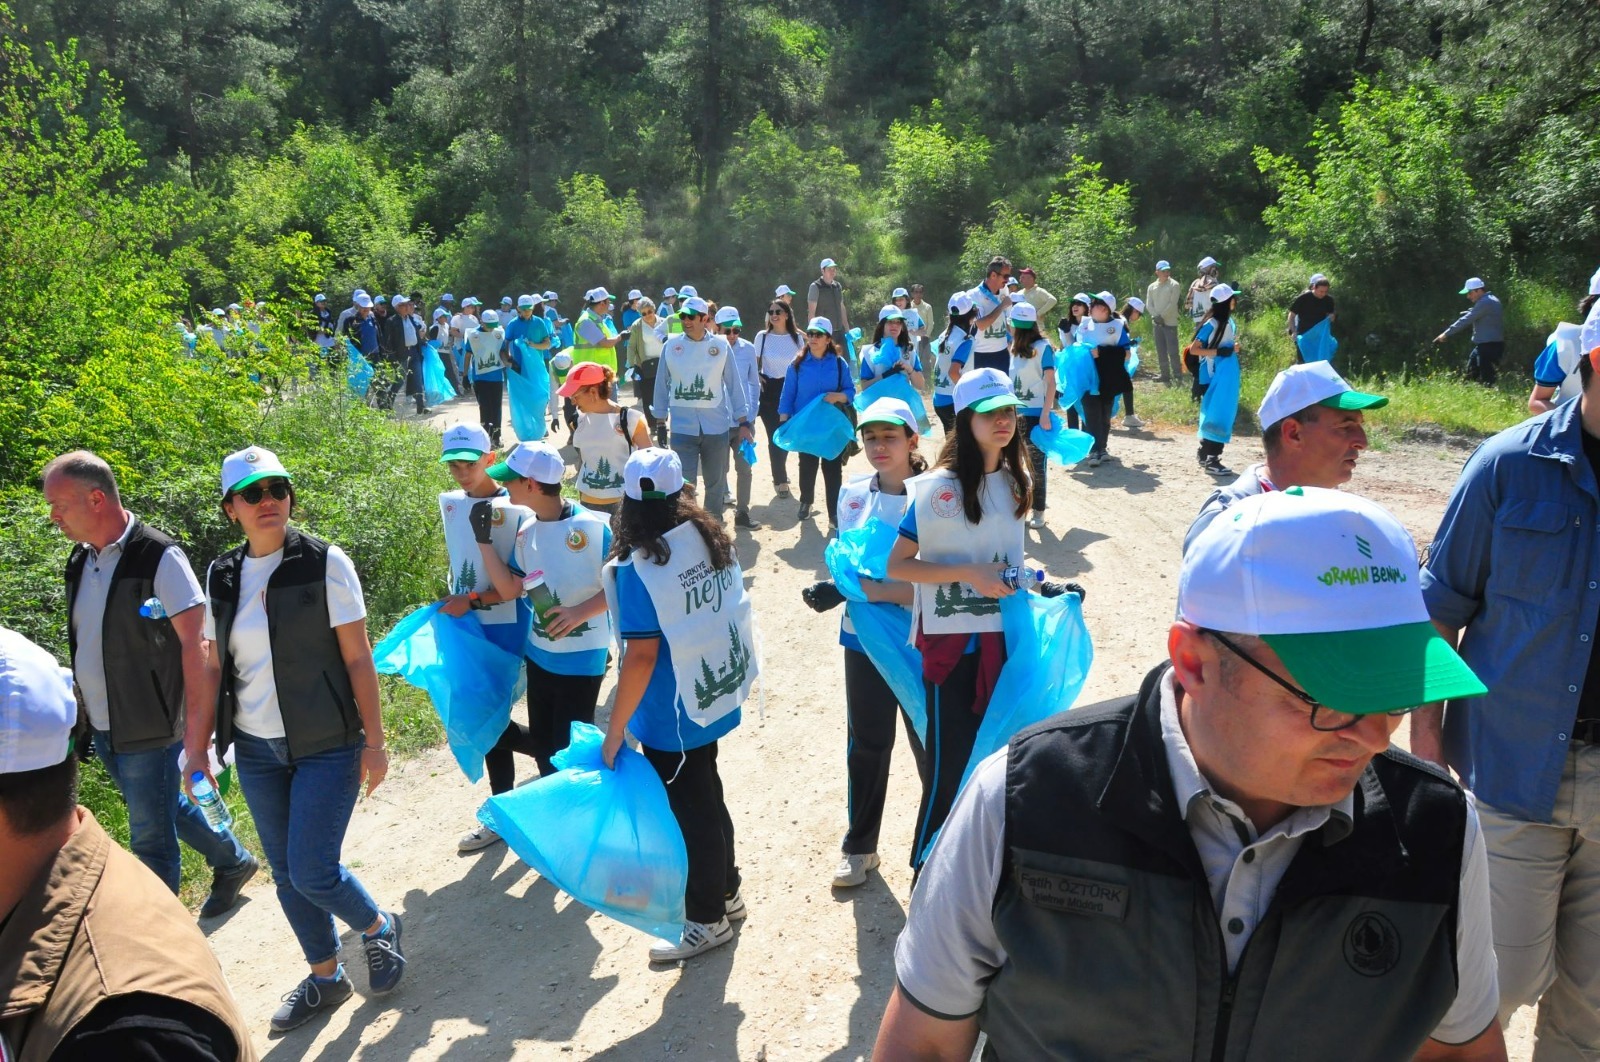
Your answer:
<point x="1369" y="18"/>
<point x="711" y="105"/>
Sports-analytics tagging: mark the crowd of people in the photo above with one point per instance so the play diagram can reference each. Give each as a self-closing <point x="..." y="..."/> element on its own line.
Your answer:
<point x="1234" y="857"/>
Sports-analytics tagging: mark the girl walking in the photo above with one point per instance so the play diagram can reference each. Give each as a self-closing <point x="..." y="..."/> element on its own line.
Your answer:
<point x="818" y="370"/>
<point x="1104" y="332"/>
<point x="1033" y="380"/>
<point x="776" y="346"/>
<point x="955" y="346"/>
<point x="1215" y="348"/>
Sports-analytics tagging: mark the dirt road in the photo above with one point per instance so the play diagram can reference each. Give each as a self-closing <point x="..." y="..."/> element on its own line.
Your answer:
<point x="502" y="967"/>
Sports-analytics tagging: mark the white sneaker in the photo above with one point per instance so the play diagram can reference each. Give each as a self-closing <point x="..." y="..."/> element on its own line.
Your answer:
<point x="733" y="907"/>
<point x="697" y="938"/>
<point x="480" y="836"/>
<point x="852" y="870"/>
<point x="1132" y="423"/>
<point x="1036" y="522"/>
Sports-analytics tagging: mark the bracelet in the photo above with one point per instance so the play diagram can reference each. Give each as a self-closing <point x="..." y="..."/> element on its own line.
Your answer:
<point x="375" y="748"/>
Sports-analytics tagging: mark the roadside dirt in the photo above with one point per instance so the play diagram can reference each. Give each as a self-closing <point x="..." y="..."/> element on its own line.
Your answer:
<point x="504" y="967"/>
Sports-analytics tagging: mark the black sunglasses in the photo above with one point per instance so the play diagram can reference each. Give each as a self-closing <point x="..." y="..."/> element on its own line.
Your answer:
<point x="253" y="494"/>
<point x="1322" y="717"/>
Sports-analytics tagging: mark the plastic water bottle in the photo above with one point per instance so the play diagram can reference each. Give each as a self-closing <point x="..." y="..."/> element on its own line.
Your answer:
<point x="1018" y="577"/>
<point x="747" y="450"/>
<point x="539" y="595"/>
<point x="209" y="801"/>
<point x="152" y="609"/>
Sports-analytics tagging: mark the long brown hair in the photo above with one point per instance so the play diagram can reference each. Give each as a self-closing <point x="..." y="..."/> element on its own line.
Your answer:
<point x="1022" y="343"/>
<point x="642" y="525"/>
<point x="962" y="455"/>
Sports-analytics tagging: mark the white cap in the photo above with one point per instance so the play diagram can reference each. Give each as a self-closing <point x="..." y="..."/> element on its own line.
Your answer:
<point x="599" y="294"/>
<point x="820" y="324"/>
<point x="37" y="709"/>
<point x="828" y="263"/>
<point x="465" y="442"/>
<point x="1024" y="313"/>
<point x="634" y="293"/>
<point x="490" y="317"/>
<point x="1313" y="384"/>
<point x="782" y="290"/>
<point x="551" y="296"/>
<point x="670" y="292"/>
<point x="693" y="306"/>
<point x="363" y="300"/>
<point x="505" y="300"/>
<point x="537" y="461"/>
<point x="561" y="362"/>
<point x="1594" y="283"/>
<point x="1136" y="303"/>
<point x="888" y="411"/>
<point x="402" y="300"/>
<point x="320" y="296"/>
<point x="1163" y="264"/>
<point x="250" y="465"/>
<point x="1317" y="278"/>
<point x="527" y="302"/>
<point x="470" y="300"/>
<point x="1472" y="284"/>
<point x="1013" y="282"/>
<point x="984" y="390"/>
<point x="960" y="302"/>
<point x="652" y="473"/>
<point x="1222" y="293"/>
<point x="900" y="293"/>
<point x="728" y="315"/>
<point x="889" y="310"/>
<point x="357" y="294"/>
<point x="1016" y="297"/>
<point x="447" y="297"/>
<point x="1206" y="263"/>
<point x="688" y="292"/>
<point x="440" y="311"/>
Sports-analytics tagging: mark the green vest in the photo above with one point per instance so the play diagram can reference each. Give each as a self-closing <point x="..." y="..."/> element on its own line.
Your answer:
<point x="674" y="324"/>
<point x="583" y="350"/>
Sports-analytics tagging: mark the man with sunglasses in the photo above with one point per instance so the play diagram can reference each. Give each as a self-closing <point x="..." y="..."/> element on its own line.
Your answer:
<point x="1232" y="862"/>
<point x="134" y="630"/>
<point x="699" y="393"/>
<point x="991" y="341"/>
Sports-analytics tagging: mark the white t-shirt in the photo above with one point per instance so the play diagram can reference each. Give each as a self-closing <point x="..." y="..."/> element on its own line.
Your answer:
<point x="250" y="643"/>
<point x="775" y="352"/>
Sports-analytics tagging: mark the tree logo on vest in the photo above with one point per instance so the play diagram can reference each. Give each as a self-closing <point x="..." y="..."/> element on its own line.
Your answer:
<point x="1372" y="944"/>
<point x="577" y="540"/>
<point x="946" y="502"/>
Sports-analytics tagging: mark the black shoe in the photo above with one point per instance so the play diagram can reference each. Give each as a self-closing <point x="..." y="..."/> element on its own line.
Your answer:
<point x="310" y="998"/>
<point x="743" y="519"/>
<point x="385" y="961"/>
<point x="1214" y="467"/>
<point x="226" y="884"/>
<point x="806" y="511"/>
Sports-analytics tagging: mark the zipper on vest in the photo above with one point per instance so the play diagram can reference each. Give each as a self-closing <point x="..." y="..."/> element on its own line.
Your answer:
<point x="1219" y="1043"/>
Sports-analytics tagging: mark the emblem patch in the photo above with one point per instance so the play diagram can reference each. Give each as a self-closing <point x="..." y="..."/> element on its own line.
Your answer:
<point x="577" y="540"/>
<point x="1072" y="895"/>
<point x="1372" y="944"/>
<point x="946" y="502"/>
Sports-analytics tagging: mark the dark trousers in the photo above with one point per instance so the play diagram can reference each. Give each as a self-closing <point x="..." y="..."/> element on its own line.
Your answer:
<point x="771" y="391"/>
<point x="1483" y="362"/>
<point x="644" y="390"/>
<point x="489" y="394"/>
<point x="1097" y="419"/>
<point x="1036" y="460"/>
<point x="1127" y="401"/>
<point x="555" y="702"/>
<point x="832" y="479"/>
<point x="947" y="417"/>
<point x="1208" y="449"/>
<point x="871" y="708"/>
<point x="1191" y="362"/>
<point x="1072" y="418"/>
<point x="952" y="729"/>
<point x="697" y="803"/>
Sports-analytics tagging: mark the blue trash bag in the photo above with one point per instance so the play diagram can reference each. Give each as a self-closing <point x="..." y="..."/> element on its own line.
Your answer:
<point x="860" y="551"/>
<point x="471" y="680"/>
<point x="895" y="385"/>
<point x="1076" y="375"/>
<point x="819" y="429"/>
<point x="1220" y="404"/>
<point x="1067" y="445"/>
<point x="882" y="627"/>
<point x="529" y="391"/>
<point x="606" y="838"/>
<point x="358" y="370"/>
<point x="1318" y="344"/>
<point x="852" y="346"/>
<point x="436" y="389"/>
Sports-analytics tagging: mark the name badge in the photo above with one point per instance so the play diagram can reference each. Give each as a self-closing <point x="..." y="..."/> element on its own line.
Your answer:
<point x="1072" y="895"/>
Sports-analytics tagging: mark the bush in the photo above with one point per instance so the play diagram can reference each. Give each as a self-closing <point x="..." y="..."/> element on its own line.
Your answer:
<point x="934" y="182"/>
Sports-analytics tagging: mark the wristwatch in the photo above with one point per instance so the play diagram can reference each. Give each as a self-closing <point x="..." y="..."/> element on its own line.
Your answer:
<point x="475" y="601"/>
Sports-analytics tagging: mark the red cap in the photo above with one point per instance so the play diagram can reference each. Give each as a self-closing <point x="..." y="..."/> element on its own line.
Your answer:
<point x="584" y="374"/>
<point x="1028" y="270"/>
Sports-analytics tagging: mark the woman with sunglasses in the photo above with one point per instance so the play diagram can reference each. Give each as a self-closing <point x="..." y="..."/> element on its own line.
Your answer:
<point x="297" y="697"/>
<point x="776" y="346"/>
<point x="819" y="369"/>
<point x="644" y="354"/>
<point x="892" y="349"/>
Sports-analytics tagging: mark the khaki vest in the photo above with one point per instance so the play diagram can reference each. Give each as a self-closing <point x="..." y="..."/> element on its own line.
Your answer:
<point x="97" y="924"/>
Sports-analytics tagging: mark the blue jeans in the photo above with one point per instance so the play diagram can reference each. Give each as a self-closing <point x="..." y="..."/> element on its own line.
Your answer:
<point x="705" y="456"/>
<point x="302" y="810"/>
<point x="159" y="815"/>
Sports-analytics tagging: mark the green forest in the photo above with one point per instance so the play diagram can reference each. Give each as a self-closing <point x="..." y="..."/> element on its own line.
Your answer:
<point x="164" y="158"/>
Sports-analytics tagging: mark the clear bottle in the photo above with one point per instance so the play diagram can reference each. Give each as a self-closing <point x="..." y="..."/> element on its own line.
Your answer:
<point x="1018" y="577"/>
<point x="539" y="595"/>
<point x="209" y="801"/>
<point x="153" y="609"/>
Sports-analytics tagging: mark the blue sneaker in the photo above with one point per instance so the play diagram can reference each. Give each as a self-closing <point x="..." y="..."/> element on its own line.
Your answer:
<point x="385" y="961"/>
<point x="310" y="998"/>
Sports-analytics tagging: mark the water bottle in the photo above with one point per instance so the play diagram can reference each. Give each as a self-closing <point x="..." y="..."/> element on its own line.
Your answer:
<point x="539" y="595"/>
<point x="747" y="450"/>
<point x="209" y="801"/>
<point x="1018" y="577"/>
<point x="152" y="609"/>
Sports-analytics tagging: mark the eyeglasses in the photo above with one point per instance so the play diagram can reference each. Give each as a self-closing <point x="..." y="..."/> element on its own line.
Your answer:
<point x="253" y="494"/>
<point x="1322" y="717"/>
<point x="776" y="313"/>
<point x="818" y="335"/>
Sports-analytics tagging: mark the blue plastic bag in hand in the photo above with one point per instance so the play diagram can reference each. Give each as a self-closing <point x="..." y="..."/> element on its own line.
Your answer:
<point x="1067" y="445"/>
<point x="471" y="680"/>
<point x="818" y="429"/>
<point x="895" y="385"/>
<point x="529" y="391"/>
<point x="1076" y="375"/>
<point x="883" y="628"/>
<point x="862" y="550"/>
<point x="605" y="837"/>
<point x="1219" y="406"/>
<point x="436" y="388"/>
<point x="1318" y="344"/>
<point x="358" y="370"/>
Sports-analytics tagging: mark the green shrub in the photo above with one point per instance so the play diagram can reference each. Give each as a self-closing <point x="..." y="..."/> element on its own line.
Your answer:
<point x="935" y="181"/>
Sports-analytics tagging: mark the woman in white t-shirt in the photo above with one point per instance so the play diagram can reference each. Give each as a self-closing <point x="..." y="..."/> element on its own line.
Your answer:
<point x="296" y="694"/>
<point x="606" y="434"/>
<point x="776" y="346"/>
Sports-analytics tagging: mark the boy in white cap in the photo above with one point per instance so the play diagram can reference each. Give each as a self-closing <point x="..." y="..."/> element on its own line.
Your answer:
<point x="486" y="368"/>
<point x="1235" y="856"/>
<point x="749" y="373"/>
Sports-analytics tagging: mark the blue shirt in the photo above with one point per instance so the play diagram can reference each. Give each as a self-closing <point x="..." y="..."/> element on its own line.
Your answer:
<point x="534" y="330"/>
<point x="812" y="377"/>
<point x="1486" y="317"/>
<point x="703" y="420"/>
<point x="1516" y="563"/>
<point x="660" y="721"/>
<point x="1203" y="337"/>
<point x="585" y="661"/>
<point x="749" y="373"/>
<point x="367" y="330"/>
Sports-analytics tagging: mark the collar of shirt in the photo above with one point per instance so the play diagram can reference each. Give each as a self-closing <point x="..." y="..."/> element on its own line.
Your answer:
<point x="114" y="548"/>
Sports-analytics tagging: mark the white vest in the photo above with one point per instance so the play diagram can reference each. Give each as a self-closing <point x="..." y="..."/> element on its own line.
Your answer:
<point x="945" y="537"/>
<point x="1027" y="377"/>
<point x="466" y="560"/>
<point x="860" y="501"/>
<point x="696" y="371"/>
<point x="571" y="553"/>
<point x="602" y="451"/>
<point x="949" y="343"/>
<point x="485" y="347"/>
<point x="705" y="617"/>
<point x="998" y="335"/>
<point x="1569" y="351"/>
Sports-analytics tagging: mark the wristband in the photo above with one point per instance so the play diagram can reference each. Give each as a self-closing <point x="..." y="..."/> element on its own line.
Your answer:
<point x="375" y="748"/>
<point x="475" y="601"/>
